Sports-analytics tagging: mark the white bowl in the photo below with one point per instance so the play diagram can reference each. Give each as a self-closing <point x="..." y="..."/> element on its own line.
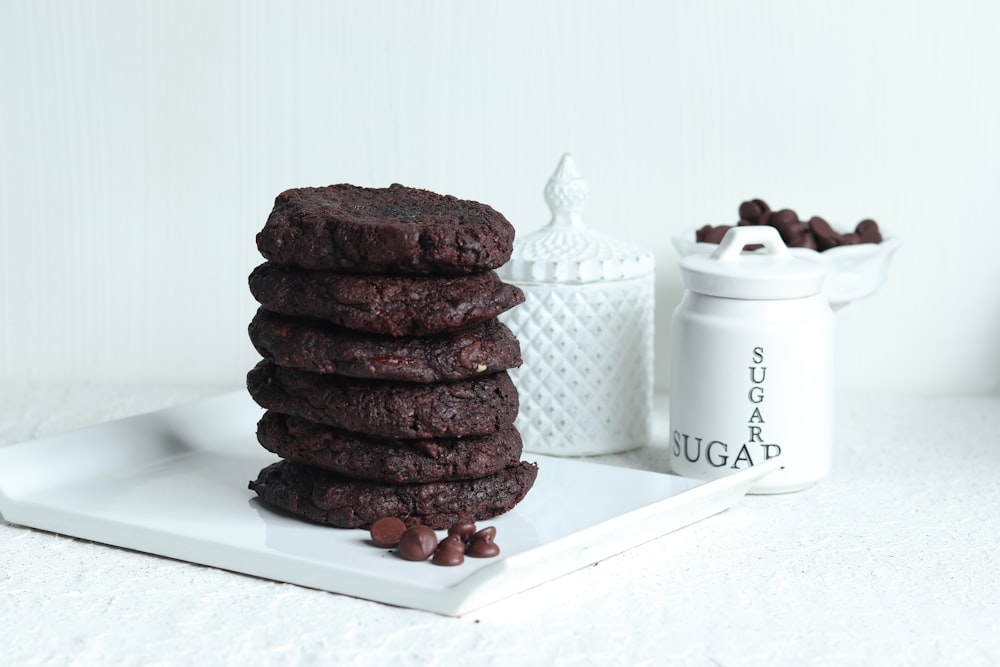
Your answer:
<point x="855" y="271"/>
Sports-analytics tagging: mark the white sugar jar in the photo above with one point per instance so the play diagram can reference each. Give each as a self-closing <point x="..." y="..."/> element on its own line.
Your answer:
<point x="586" y="331"/>
<point x="751" y="364"/>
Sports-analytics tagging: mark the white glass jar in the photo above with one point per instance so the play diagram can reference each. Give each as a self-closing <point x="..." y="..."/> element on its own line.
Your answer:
<point x="751" y="365"/>
<point x="586" y="331"/>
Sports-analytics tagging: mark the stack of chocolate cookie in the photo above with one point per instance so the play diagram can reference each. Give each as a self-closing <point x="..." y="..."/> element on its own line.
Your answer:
<point x="385" y="367"/>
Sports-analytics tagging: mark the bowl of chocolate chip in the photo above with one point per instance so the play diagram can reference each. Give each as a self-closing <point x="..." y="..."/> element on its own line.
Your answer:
<point x="857" y="260"/>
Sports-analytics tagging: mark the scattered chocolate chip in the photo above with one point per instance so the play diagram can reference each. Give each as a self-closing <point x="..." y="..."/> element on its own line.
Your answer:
<point x="448" y="557"/>
<point x="417" y="543"/>
<point x="420" y="542"/>
<point x="454" y="541"/>
<point x="450" y="552"/>
<point x="386" y="531"/>
<point x="464" y="530"/>
<point x="481" y="545"/>
<point x="487" y="533"/>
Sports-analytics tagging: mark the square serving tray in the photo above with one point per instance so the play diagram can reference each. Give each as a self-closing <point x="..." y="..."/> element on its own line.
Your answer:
<point x="174" y="483"/>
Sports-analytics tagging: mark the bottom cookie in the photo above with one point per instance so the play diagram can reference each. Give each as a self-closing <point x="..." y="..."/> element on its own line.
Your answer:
<point x="327" y="498"/>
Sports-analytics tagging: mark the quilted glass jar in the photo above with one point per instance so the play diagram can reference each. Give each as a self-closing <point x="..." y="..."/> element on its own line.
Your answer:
<point x="586" y="331"/>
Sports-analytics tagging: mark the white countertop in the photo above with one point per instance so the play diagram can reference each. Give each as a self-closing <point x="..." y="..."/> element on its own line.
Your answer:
<point x="891" y="560"/>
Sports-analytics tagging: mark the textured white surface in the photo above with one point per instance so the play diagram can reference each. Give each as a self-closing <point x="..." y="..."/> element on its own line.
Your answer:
<point x="891" y="560"/>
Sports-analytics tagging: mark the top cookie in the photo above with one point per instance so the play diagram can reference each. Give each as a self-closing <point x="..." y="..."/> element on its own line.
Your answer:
<point x="384" y="230"/>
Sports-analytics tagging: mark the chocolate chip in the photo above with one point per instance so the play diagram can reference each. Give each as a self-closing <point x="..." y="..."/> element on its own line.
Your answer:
<point x="448" y="557"/>
<point x="464" y="530"/>
<point x="417" y="543"/>
<point x="386" y="531"/>
<point x="825" y="237"/>
<point x="710" y="234"/>
<point x="450" y="552"/>
<point x="868" y="231"/>
<point x="481" y="545"/>
<point x="752" y="211"/>
<point x="784" y="217"/>
<point x="787" y="222"/>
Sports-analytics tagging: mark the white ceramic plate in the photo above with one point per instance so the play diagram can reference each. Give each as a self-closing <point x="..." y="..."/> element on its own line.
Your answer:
<point x="174" y="483"/>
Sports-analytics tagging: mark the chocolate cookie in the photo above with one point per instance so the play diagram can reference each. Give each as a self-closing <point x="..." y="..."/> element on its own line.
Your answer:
<point x="388" y="460"/>
<point x="324" y="497"/>
<point x="389" y="305"/>
<point x="312" y="345"/>
<point x="384" y="230"/>
<point x="388" y="409"/>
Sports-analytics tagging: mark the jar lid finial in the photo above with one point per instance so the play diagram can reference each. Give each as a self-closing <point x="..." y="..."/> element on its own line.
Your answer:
<point x="567" y="251"/>
<point x="566" y="194"/>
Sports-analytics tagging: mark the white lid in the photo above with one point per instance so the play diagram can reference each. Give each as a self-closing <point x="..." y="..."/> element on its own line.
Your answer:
<point x="770" y="273"/>
<point x="565" y="251"/>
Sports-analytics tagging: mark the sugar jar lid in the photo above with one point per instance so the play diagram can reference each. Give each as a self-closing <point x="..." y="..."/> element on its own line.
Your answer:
<point x="771" y="272"/>
<point x="565" y="250"/>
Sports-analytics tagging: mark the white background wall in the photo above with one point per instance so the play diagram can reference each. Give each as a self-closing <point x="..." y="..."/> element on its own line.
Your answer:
<point x="142" y="143"/>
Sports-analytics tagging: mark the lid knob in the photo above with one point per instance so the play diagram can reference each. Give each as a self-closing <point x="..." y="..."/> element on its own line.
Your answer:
<point x="565" y="250"/>
<point x="566" y="194"/>
<point x="772" y="272"/>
